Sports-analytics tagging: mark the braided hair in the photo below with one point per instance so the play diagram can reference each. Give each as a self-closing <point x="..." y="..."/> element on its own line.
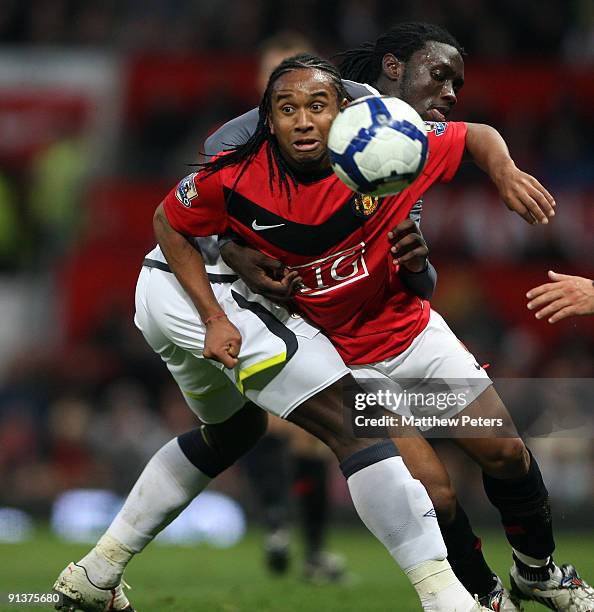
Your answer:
<point x="246" y="152"/>
<point x="364" y="63"/>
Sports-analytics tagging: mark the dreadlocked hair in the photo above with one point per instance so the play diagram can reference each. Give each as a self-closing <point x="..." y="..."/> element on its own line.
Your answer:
<point x="245" y="153"/>
<point x="364" y="63"/>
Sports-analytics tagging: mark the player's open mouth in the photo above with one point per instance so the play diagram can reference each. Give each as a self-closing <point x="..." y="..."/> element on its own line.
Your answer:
<point x="306" y="144"/>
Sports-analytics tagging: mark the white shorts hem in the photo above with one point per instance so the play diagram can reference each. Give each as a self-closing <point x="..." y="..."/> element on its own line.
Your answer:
<point x="330" y="381"/>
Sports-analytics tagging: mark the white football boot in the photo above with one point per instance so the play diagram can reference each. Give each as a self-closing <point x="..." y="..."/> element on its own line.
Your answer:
<point x="564" y="591"/>
<point x="79" y="593"/>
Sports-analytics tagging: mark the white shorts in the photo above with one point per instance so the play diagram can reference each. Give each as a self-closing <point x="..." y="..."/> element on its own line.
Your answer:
<point x="435" y="363"/>
<point x="283" y="360"/>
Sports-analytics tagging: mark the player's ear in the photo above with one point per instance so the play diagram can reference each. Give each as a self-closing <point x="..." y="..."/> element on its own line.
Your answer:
<point x="270" y="124"/>
<point x="392" y="67"/>
<point x="343" y="103"/>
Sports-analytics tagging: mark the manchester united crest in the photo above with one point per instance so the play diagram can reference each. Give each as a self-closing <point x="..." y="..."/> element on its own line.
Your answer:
<point x="365" y="205"/>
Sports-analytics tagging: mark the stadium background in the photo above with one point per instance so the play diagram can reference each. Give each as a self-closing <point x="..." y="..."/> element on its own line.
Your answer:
<point x="103" y="105"/>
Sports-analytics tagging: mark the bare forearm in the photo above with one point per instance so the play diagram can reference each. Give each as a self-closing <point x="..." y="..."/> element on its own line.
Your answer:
<point x="187" y="265"/>
<point x="520" y="191"/>
<point x="488" y="150"/>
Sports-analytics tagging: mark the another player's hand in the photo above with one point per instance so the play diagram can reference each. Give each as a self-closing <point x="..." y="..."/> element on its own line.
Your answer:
<point x="222" y="341"/>
<point x="409" y="248"/>
<point x="523" y="194"/>
<point x="566" y="296"/>
<point x="262" y="274"/>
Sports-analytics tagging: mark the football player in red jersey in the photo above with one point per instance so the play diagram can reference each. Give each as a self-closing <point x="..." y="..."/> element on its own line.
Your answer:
<point x="422" y="64"/>
<point x="285" y="366"/>
<point x="508" y="468"/>
<point x="289" y="153"/>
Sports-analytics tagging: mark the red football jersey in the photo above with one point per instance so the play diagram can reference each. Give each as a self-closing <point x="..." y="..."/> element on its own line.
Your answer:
<point x="337" y="239"/>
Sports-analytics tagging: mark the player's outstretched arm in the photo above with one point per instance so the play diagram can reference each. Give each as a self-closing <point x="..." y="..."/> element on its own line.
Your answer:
<point x="521" y="192"/>
<point x="262" y="274"/>
<point x="566" y="296"/>
<point x="223" y="340"/>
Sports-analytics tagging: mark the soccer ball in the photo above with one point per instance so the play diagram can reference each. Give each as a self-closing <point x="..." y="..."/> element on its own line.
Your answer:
<point x="378" y="145"/>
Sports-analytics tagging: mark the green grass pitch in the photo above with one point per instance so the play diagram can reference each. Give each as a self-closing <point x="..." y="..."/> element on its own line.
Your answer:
<point x="174" y="579"/>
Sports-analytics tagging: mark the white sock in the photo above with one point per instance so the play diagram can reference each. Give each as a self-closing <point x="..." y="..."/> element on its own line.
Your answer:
<point x="554" y="572"/>
<point x="168" y="483"/>
<point x="531" y="561"/>
<point x="398" y="511"/>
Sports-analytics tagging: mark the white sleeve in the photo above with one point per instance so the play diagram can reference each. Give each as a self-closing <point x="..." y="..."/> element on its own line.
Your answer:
<point x="233" y="133"/>
<point x="359" y="90"/>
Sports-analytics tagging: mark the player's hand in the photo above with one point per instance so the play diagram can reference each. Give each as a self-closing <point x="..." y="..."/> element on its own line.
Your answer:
<point x="409" y="248"/>
<point x="262" y="274"/>
<point x="523" y="194"/>
<point x="222" y="341"/>
<point x="566" y="296"/>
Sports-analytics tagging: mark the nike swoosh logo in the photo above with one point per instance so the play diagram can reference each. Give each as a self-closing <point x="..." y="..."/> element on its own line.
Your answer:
<point x="259" y="228"/>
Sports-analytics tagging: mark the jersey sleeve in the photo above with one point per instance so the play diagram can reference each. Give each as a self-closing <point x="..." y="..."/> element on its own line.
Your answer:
<point x="359" y="90"/>
<point x="233" y="133"/>
<point x="196" y="206"/>
<point x="446" y="147"/>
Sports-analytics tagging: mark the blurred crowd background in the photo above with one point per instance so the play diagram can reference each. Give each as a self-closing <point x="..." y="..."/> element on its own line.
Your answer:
<point x="104" y="104"/>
